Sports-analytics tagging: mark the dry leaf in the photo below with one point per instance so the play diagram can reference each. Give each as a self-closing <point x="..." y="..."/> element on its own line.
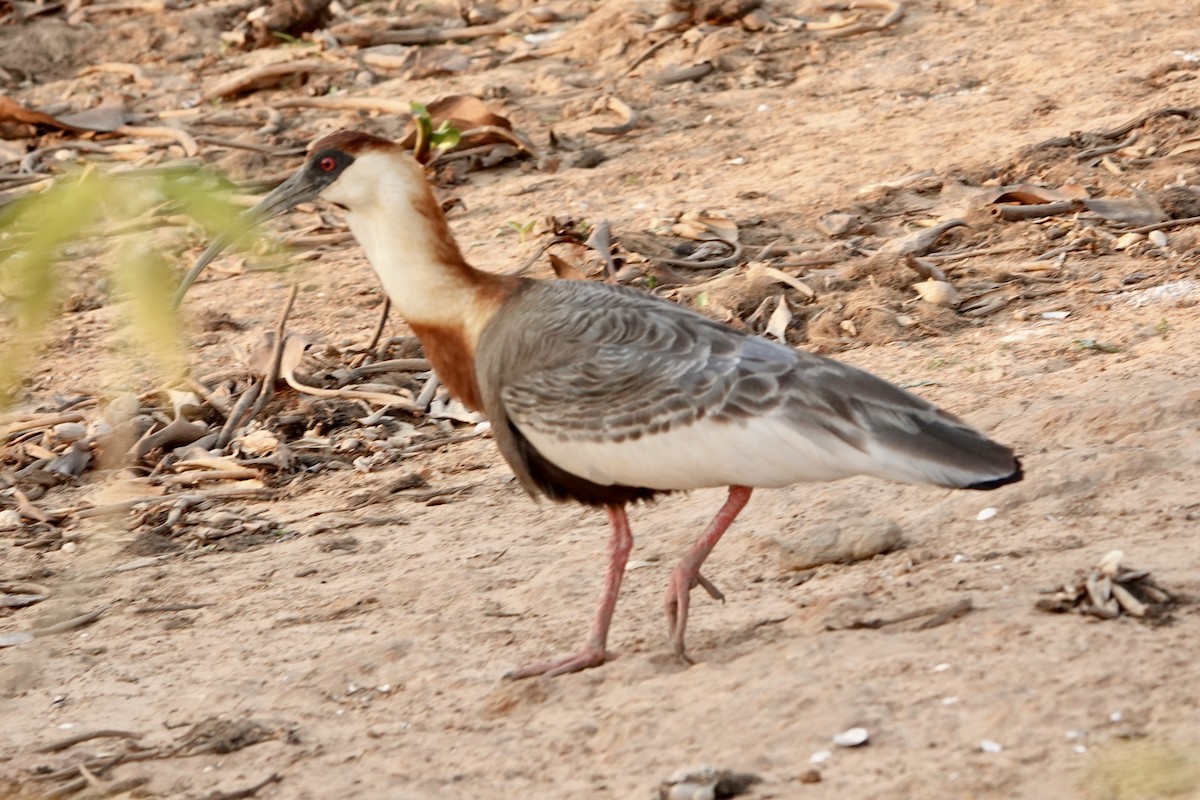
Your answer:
<point x="699" y="226"/>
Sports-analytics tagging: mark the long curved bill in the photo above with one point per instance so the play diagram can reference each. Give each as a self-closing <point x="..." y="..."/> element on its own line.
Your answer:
<point x="297" y="189"/>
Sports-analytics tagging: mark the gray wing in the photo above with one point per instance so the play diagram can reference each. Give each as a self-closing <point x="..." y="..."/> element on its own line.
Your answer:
<point x="588" y="362"/>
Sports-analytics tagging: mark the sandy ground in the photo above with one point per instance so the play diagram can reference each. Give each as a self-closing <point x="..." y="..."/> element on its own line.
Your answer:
<point x="364" y="640"/>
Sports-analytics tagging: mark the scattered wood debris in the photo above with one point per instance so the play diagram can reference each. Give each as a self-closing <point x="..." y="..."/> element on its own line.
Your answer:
<point x="1110" y="590"/>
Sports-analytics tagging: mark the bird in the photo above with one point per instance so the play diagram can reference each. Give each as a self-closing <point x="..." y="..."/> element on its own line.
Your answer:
<point x="607" y="395"/>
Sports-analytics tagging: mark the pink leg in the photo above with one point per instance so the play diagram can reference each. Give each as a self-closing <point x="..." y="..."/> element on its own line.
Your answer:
<point x="593" y="653"/>
<point x="687" y="573"/>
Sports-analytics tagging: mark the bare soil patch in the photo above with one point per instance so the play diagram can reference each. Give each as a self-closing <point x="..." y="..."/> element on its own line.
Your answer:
<point x="339" y="628"/>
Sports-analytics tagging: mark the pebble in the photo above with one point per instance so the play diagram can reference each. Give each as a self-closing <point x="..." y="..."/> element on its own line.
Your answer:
<point x="68" y="432"/>
<point x="1159" y="238"/>
<point x="10" y="520"/>
<point x="987" y="513"/>
<point x="839" y="543"/>
<point x="988" y="746"/>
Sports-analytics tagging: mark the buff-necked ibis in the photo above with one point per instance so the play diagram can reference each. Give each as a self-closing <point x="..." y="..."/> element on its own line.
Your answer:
<point x="606" y="395"/>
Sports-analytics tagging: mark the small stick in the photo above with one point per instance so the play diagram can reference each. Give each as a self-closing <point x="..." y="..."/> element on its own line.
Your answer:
<point x="71" y="741"/>
<point x="651" y="50"/>
<point x="185" y="140"/>
<point x="436" y="443"/>
<point x="394" y="365"/>
<point x="431" y="35"/>
<point x="727" y="261"/>
<point x="35" y="421"/>
<point x="1106" y="149"/>
<point x="71" y="624"/>
<point x="244" y="402"/>
<point x="195" y="476"/>
<point x="249" y="791"/>
<point x="1013" y="213"/>
<point x="1171" y="223"/>
<point x="199" y="388"/>
<point x="221" y="141"/>
<point x="276" y="355"/>
<point x="170" y="608"/>
<point x="375" y="337"/>
<point x="621" y="108"/>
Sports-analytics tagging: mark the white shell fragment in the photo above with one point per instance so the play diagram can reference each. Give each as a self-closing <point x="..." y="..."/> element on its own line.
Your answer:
<point x="1110" y="565"/>
<point x="987" y="513"/>
<point x="820" y="757"/>
<point x="852" y="737"/>
<point x="1125" y="240"/>
<point x="988" y="746"/>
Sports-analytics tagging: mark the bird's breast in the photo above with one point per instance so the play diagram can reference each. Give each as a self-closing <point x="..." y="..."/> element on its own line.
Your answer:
<point x="452" y="355"/>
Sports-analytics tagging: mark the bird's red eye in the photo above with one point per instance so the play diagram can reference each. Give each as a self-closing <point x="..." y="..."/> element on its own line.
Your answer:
<point x="327" y="164"/>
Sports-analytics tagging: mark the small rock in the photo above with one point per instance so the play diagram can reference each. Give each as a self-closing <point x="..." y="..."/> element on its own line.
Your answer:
<point x="1158" y="238"/>
<point x="987" y="513"/>
<point x="68" y="432"/>
<point x="838" y="223"/>
<point x="854" y="737"/>
<point x="810" y="776"/>
<point x="10" y="520"/>
<point x="988" y="746"/>
<point x="939" y="293"/>
<point x="839" y="543"/>
<point x="820" y="757"/>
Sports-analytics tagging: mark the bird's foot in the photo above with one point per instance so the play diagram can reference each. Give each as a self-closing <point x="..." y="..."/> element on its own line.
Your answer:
<point x="710" y="587"/>
<point x="677" y="602"/>
<point x="590" y="656"/>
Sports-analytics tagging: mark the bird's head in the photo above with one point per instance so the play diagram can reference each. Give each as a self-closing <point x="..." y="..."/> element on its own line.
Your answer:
<point x="354" y="170"/>
<point x="350" y="169"/>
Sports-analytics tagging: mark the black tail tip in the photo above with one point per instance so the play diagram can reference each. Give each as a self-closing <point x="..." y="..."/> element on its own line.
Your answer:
<point x="995" y="483"/>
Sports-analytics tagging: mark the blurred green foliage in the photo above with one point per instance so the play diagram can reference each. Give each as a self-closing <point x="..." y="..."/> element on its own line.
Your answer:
<point x="125" y="215"/>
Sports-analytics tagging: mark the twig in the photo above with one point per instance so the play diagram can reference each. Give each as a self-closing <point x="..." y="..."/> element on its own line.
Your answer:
<point x="185" y="140"/>
<point x="960" y="255"/>
<point x="71" y="741"/>
<point x="436" y="443"/>
<point x="36" y="421"/>
<point x="895" y="11"/>
<point x="1171" y="223"/>
<point x="1014" y="213"/>
<point x="248" y="398"/>
<point x="199" y="388"/>
<point x="71" y="624"/>
<point x="1106" y="149"/>
<point x="249" y="791"/>
<point x="276" y="355"/>
<point x="378" y="334"/>
<point x="221" y="141"/>
<point x="727" y="261"/>
<point x="621" y="108"/>
<point x="439" y="35"/>
<point x="171" y="608"/>
<point x="649" y="51"/>
<point x="267" y="74"/>
<point x="394" y="365"/>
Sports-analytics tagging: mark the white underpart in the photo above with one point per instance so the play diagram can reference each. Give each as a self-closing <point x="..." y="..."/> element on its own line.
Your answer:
<point x="760" y="452"/>
<point x="381" y="192"/>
